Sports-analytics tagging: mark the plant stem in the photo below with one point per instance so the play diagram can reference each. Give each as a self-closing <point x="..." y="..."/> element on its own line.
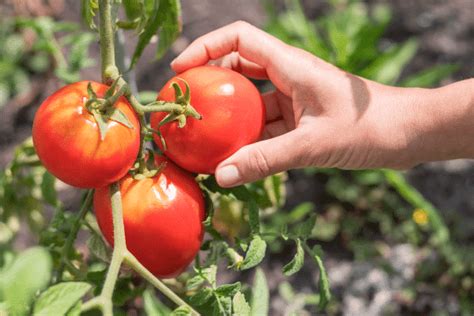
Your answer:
<point x="106" y="34"/>
<point x="104" y="300"/>
<point x="119" y="241"/>
<point x="133" y="262"/>
<point x="72" y="235"/>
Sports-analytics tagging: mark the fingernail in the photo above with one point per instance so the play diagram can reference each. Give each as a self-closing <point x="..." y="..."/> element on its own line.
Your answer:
<point x="228" y="176"/>
<point x="172" y="62"/>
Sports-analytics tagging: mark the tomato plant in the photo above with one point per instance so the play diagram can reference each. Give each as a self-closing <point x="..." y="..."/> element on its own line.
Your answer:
<point x="69" y="143"/>
<point x="162" y="217"/>
<point x="233" y="115"/>
<point x="98" y="135"/>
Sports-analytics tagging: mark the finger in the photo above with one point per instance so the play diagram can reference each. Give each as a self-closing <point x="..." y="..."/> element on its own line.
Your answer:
<point x="252" y="44"/>
<point x="272" y="109"/>
<point x="237" y="63"/>
<point x="261" y="159"/>
<point x="274" y="129"/>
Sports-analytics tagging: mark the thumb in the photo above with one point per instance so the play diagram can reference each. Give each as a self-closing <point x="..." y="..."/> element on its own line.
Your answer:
<point x="261" y="159"/>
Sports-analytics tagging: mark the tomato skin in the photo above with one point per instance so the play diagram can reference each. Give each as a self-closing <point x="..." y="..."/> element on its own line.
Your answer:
<point x="233" y="115"/>
<point x="67" y="138"/>
<point x="162" y="217"/>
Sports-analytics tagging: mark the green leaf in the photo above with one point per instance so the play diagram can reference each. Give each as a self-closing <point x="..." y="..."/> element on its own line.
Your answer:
<point x="240" y="305"/>
<point x="201" y="297"/>
<point x="255" y="253"/>
<point x="304" y="229"/>
<point x="260" y="294"/>
<point x="429" y="77"/>
<point x="324" y="288"/>
<point x="228" y="289"/>
<point x="210" y="274"/>
<point x="286" y="291"/>
<point x="151" y="27"/>
<point x="78" y="57"/>
<point x="98" y="248"/>
<point x="300" y="211"/>
<point x="60" y="298"/>
<point x="365" y="47"/>
<point x="75" y="310"/>
<point x="133" y="8"/>
<point x="194" y="282"/>
<point x="181" y="311"/>
<point x="48" y="190"/>
<point x="165" y="20"/>
<point x="171" y="28"/>
<point x="339" y="41"/>
<point x="88" y="10"/>
<point x="119" y="117"/>
<point x="297" y="262"/>
<point x="153" y="306"/>
<point x="278" y="187"/>
<point x="29" y="273"/>
<point x="240" y="192"/>
<point x="254" y="218"/>
<point x="388" y="67"/>
<point x="284" y="231"/>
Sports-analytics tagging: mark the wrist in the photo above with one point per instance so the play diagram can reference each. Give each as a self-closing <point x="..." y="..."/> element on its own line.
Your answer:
<point x="445" y="128"/>
<point x="410" y="126"/>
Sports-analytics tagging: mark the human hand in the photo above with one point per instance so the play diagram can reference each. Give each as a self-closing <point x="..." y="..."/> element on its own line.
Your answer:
<point x="319" y="115"/>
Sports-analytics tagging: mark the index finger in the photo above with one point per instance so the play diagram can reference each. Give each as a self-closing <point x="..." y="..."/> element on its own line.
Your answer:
<point x="250" y="42"/>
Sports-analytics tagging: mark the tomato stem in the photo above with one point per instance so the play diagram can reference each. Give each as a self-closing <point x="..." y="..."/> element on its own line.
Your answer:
<point x="106" y="34"/>
<point x="104" y="300"/>
<point x="147" y="275"/>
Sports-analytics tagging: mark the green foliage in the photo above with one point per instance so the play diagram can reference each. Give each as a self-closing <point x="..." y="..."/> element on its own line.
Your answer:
<point x="260" y="294"/>
<point x="22" y="57"/>
<point x="75" y="40"/>
<point x="243" y="224"/>
<point x="23" y="192"/>
<point x="149" y="19"/>
<point x="21" y="279"/>
<point x="60" y="298"/>
<point x="349" y="36"/>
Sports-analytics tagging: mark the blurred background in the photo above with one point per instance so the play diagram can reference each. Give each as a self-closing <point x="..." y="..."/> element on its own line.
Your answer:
<point x="385" y="246"/>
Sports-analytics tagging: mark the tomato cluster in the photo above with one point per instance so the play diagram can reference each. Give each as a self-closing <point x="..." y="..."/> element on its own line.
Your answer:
<point x="84" y="146"/>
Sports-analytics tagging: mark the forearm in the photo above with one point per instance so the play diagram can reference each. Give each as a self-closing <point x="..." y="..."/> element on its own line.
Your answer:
<point x="444" y="127"/>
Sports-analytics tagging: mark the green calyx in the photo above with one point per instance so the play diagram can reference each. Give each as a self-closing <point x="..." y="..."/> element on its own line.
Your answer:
<point x="103" y="109"/>
<point x="147" y="170"/>
<point x="179" y="110"/>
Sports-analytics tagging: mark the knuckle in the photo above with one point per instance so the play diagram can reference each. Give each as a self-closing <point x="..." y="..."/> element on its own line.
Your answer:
<point x="259" y="162"/>
<point x="303" y="154"/>
<point x="243" y="27"/>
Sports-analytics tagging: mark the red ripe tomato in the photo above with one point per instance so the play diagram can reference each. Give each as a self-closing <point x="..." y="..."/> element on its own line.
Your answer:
<point x="233" y="115"/>
<point x="67" y="138"/>
<point x="162" y="217"/>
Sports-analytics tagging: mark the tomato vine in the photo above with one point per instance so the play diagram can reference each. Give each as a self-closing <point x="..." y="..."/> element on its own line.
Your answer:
<point x="120" y="253"/>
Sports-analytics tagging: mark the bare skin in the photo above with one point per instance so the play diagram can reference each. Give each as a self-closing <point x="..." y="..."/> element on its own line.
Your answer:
<point x="322" y="116"/>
